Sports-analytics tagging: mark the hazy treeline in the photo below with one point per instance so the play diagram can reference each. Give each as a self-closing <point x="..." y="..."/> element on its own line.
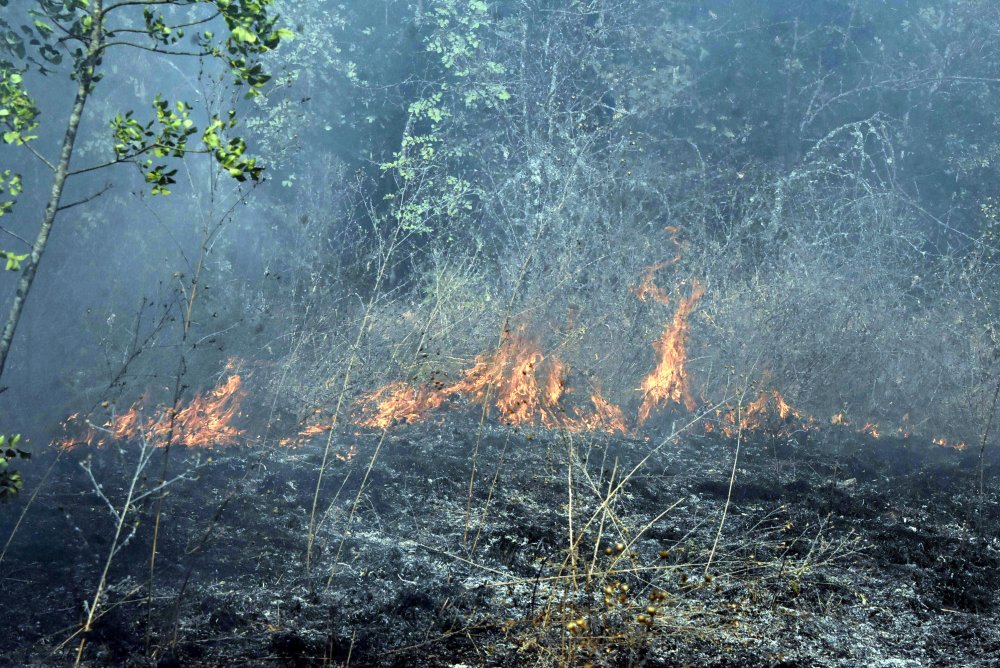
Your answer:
<point x="824" y="170"/>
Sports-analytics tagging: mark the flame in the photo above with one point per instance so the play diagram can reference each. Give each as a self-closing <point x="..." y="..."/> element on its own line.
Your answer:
<point x="309" y="430"/>
<point x="605" y="417"/>
<point x="647" y="289"/>
<point x="206" y="421"/>
<point x="508" y="378"/>
<point x="395" y="402"/>
<point x="555" y="384"/>
<point x="945" y="443"/>
<point x="768" y="412"/>
<point x="518" y="393"/>
<point x="347" y="456"/>
<point x="667" y="383"/>
<point x="871" y="429"/>
<point x="762" y="411"/>
<point x="839" y="419"/>
<point x="523" y="385"/>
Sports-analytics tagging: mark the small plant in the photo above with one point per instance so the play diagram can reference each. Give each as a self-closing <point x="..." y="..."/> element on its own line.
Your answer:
<point x="10" y="479"/>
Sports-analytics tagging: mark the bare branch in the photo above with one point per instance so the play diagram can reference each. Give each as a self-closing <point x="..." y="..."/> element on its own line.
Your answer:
<point x="18" y="237"/>
<point x="106" y="188"/>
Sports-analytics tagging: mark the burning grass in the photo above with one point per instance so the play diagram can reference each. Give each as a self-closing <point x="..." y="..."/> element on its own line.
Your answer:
<point x="206" y="421"/>
<point x="517" y="383"/>
<point x="668" y="382"/>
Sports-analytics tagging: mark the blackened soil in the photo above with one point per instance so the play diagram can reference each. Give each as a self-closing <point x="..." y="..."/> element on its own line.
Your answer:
<point x="835" y="550"/>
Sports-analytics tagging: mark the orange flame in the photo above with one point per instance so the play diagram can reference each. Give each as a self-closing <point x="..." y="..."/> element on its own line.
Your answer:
<point x="765" y="408"/>
<point x="768" y="412"/>
<point x="605" y="417"/>
<point x="945" y="443"/>
<point x="347" y="456"/>
<point x="314" y="425"/>
<point x="395" y="402"/>
<point x="509" y="380"/>
<point x="667" y="383"/>
<point x="555" y="384"/>
<point x="871" y="429"/>
<point x="647" y="288"/>
<point x="206" y="421"/>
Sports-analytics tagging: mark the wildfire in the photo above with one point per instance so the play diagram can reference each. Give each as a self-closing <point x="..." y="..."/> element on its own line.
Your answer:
<point x="667" y="383"/>
<point x="309" y="430"/>
<point x="523" y="385"/>
<point x="509" y="379"/>
<point x="605" y="417"/>
<point x="871" y="429"/>
<point x="765" y="408"/>
<point x="768" y="412"/>
<point x="945" y="443"/>
<point x="396" y="402"/>
<point x="647" y="288"/>
<point x="204" y="422"/>
<point x="347" y="456"/>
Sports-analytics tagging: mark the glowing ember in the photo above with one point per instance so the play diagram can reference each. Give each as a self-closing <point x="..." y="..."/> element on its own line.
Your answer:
<point x="205" y="422"/>
<point x="839" y="419"/>
<point x="667" y="383"/>
<point x="871" y="429"/>
<point x="945" y="443"/>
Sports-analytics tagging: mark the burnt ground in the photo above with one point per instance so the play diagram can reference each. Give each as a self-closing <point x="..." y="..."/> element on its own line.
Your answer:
<point x="837" y="550"/>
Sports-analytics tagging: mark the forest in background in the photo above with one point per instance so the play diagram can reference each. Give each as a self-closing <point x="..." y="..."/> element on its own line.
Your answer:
<point x="823" y="171"/>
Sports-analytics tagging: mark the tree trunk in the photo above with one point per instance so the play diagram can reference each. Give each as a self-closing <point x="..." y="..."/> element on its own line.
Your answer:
<point x="84" y="73"/>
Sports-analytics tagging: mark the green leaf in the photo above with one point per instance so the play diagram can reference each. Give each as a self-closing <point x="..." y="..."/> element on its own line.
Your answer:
<point x="241" y="34"/>
<point x="13" y="264"/>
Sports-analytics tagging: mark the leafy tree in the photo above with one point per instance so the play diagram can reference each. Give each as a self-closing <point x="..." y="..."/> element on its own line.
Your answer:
<point x="235" y="33"/>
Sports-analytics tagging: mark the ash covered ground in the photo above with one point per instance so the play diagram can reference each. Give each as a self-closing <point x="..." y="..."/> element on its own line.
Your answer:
<point x="836" y="549"/>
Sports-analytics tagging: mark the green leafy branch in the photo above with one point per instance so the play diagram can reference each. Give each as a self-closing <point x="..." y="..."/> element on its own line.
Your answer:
<point x="10" y="480"/>
<point x="10" y="184"/>
<point x="168" y="136"/>
<point x="18" y="112"/>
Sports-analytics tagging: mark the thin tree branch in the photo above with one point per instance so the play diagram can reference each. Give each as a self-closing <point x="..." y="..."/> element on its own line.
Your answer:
<point x="106" y="188"/>
<point x="38" y="155"/>
<point x="16" y="236"/>
<point x="140" y="31"/>
<point x="133" y="156"/>
<point x="143" y="3"/>
<point x="153" y="49"/>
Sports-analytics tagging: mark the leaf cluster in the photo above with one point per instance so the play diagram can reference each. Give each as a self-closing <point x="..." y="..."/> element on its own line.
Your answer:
<point x="10" y="480"/>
